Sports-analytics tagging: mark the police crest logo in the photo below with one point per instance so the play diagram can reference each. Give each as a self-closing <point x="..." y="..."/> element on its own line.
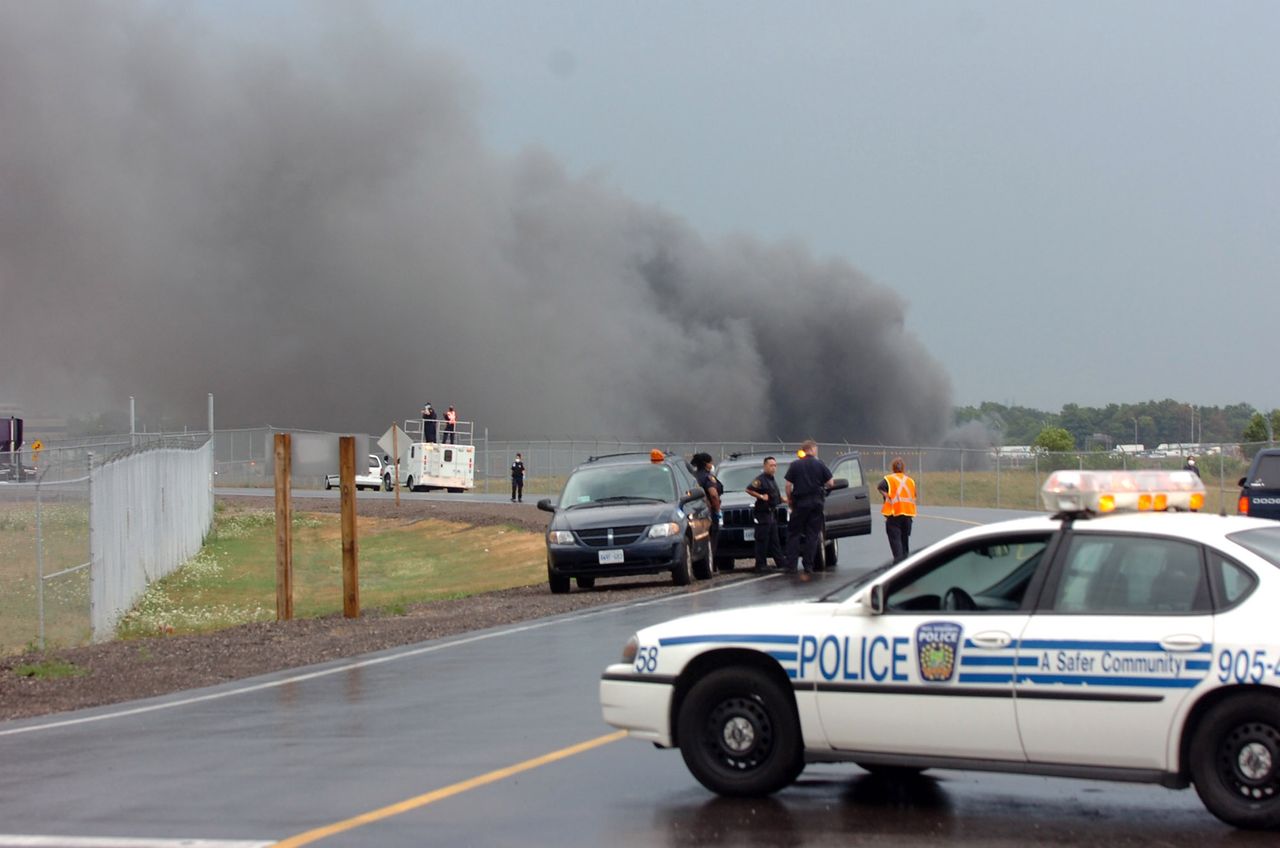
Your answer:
<point x="937" y="647"/>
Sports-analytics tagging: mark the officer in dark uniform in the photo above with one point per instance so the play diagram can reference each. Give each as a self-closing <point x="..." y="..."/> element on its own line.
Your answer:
<point x="808" y="481"/>
<point x="517" y="479"/>
<point x="764" y="489"/>
<point x="428" y="422"/>
<point x="702" y="470"/>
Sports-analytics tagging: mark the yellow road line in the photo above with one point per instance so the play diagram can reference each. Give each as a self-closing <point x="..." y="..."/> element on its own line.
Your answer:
<point x="447" y="792"/>
<point x="956" y="520"/>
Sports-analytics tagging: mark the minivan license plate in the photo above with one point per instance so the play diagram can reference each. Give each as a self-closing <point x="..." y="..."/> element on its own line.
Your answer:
<point x="610" y="557"/>
<point x="749" y="534"/>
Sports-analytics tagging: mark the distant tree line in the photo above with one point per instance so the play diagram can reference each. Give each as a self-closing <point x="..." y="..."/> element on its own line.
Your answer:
<point x="1102" y="428"/>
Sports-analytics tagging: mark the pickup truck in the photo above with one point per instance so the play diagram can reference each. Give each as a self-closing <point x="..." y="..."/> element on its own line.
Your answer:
<point x="371" y="479"/>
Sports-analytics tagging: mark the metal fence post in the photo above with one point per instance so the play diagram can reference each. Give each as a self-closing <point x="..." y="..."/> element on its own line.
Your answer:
<point x="93" y="567"/>
<point x="962" y="453"/>
<point x="39" y="570"/>
<point x="997" y="478"/>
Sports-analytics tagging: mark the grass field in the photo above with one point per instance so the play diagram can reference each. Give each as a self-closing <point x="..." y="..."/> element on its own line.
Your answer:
<point x="65" y="529"/>
<point x="232" y="580"/>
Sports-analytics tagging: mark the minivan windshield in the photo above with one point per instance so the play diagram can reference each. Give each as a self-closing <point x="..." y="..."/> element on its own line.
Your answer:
<point x="651" y="482"/>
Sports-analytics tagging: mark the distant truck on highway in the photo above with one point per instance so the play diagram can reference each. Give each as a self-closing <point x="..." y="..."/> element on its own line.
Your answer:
<point x="425" y="466"/>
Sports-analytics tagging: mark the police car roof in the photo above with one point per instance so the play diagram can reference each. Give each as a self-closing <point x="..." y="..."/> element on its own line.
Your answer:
<point x="1193" y="526"/>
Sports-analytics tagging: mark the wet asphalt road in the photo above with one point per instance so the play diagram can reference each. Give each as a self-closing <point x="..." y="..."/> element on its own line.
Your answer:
<point x="285" y="754"/>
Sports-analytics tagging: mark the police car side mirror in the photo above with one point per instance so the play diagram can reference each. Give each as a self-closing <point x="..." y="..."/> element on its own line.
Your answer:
<point x="545" y="505"/>
<point x="841" y="484"/>
<point x="1243" y="480"/>
<point x="693" y="494"/>
<point x="875" y="599"/>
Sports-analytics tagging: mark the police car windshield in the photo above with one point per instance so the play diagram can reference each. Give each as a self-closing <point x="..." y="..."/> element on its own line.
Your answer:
<point x="614" y="483"/>
<point x="736" y="477"/>
<point x="848" y="590"/>
<point x="1263" y="542"/>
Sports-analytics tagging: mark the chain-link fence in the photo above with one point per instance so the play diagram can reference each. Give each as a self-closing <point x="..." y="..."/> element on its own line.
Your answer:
<point x="1007" y="478"/>
<point x="945" y="476"/>
<point x="80" y="541"/>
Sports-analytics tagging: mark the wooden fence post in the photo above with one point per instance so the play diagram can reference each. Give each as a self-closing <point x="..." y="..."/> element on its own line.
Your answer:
<point x="284" y="527"/>
<point x="350" y="564"/>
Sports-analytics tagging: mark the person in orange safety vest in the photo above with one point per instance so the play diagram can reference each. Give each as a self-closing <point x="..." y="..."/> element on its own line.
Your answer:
<point x="899" y="492"/>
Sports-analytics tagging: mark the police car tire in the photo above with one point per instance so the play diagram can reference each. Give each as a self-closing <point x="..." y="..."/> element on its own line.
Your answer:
<point x="1229" y="729"/>
<point x="559" y="584"/>
<point x="585" y="582"/>
<point x="681" y="574"/>
<point x="829" y="553"/>
<point x="763" y="711"/>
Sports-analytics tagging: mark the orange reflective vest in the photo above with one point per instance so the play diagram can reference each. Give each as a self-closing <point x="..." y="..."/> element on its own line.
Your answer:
<point x="901" y="499"/>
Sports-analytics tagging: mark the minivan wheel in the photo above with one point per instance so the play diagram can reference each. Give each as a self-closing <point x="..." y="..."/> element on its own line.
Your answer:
<point x="1235" y="761"/>
<point x="702" y="567"/>
<point x="680" y="575"/>
<point x="559" y="583"/>
<point x="831" y="555"/>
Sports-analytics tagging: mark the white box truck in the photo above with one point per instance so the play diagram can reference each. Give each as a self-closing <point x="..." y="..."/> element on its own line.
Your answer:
<point x="425" y="466"/>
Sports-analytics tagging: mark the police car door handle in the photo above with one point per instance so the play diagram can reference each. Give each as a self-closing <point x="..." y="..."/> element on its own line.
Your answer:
<point x="992" y="640"/>
<point x="1181" y="642"/>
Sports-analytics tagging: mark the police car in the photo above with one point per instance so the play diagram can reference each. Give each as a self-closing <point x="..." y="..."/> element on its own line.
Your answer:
<point x="1123" y="638"/>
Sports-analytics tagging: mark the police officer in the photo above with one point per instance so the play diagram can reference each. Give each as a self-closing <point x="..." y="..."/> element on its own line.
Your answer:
<point x="428" y="422"/>
<point x="517" y="479"/>
<point x="808" y="481"/>
<point x="702" y="470"/>
<point x="899" y="508"/>
<point x="764" y="513"/>
<point x="1191" y="466"/>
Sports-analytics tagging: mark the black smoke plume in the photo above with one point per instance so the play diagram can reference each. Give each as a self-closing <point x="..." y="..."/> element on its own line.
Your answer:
<point x="313" y="230"/>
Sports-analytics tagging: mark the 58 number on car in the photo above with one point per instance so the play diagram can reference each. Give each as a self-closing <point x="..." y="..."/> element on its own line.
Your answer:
<point x="646" y="660"/>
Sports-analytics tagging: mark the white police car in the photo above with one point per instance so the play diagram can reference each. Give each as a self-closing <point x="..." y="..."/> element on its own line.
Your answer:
<point x="1109" y="641"/>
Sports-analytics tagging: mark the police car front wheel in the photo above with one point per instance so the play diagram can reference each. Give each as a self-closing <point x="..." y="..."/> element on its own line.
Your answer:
<point x="1235" y="761"/>
<point x="739" y="733"/>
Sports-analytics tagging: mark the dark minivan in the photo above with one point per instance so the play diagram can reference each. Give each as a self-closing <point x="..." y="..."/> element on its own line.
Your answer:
<point x="628" y="514"/>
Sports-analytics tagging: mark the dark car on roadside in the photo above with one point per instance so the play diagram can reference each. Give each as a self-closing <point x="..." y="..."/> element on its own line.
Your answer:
<point x="628" y="514"/>
<point x="847" y="508"/>
<point x="1260" y="488"/>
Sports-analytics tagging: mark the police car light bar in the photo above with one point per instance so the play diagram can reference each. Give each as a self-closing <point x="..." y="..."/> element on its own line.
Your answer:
<point x="1122" y="491"/>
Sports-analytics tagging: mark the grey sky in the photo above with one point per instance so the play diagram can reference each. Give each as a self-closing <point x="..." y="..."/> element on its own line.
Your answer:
<point x="1079" y="202"/>
<point x="720" y="219"/>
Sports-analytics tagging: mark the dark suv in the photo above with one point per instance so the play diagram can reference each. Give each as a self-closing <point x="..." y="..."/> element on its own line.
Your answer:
<point x="848" y="508"/>
<point x="628" y="514"/>
<point x="1260" y="488"/>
